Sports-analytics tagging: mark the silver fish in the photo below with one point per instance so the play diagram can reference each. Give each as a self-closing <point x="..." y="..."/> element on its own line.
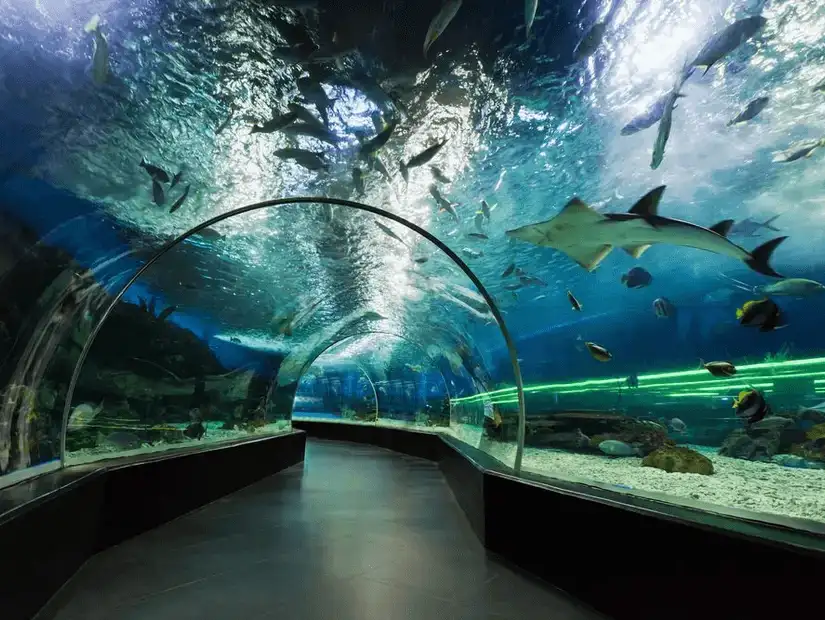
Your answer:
<point x="663" y="134"/>
<point x="723" y="43"/>
<point x="158" y="196"/>
<point x="177" y="204"/>
<point x="440" y="22"/>
<point x="307" y="159"/>
<point x="751" y="111"/>
<point x="100" y="58"/>
<point x="530" y="7"/>
<point x="419" y="160"/>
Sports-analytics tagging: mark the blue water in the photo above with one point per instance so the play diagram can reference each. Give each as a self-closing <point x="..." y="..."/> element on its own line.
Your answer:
<point x="527" y="127"/>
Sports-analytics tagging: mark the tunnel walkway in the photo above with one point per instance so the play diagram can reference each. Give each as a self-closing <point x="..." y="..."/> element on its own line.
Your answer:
<point x="355" y="533"/>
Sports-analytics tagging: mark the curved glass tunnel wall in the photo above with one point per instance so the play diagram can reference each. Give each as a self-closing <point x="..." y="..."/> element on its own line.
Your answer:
<point x="56" y="282"/>
<point x="399" y="384"/>
<point x="212" y="348"/>
<point x="338" y="392"/>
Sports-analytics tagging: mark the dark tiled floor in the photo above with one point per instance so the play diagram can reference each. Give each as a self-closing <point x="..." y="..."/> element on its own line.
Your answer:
<point x="356" y="533"/>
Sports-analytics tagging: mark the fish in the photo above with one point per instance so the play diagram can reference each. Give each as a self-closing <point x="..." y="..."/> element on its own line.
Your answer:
<point x="176" y="179"/>
<point x="478" y="220"/>
<point x="651" y="116"/>
<point x="83" y="415"/>
<point x="315" y="94"/>
<point x="307" y="159"/>
<point x="389" y="232"/>
<point x="514" y="287"/>
<point x="762" y="313"/>
<point x="439" y="176"/>
<point x="477" y="235"/>
<point x="275" y="123"/>
<point x="443" y="203"/>
<point x="749" y="227"/>
<point x="614" y="447"/>
<point x="791" y="287"/>
<point x="100" y="56"/>
<point x="637" y="278"/>
<point x="358" y="180"/>
<point x="751" y="406"/>
<point x="598" y="352"/>
<point x="632" y="381"/>
<point x="532" y="281"/>
<point x="819" y="86"/>
<point x="122" y="440"/>
<point x="421" y="260"/>
<point x="157" y="173"/>
<point x="718" y="369"/>
<point x="485" y="210"/>
<point x="588" y="236"/>
<point x="177" y="204"/>
<point x="509" y="270"/>
<point x="751" y="111"/>
<point x="663" y="308"/>
<point x="677" y="425"/>
<point x="663" y="133"/>
<point x="158" y="197"/>
<point x="303" y="114"/>
<point x="591" y="41"/>
<point x="473" y="253"/>
<point x="419" y="160"/>
<point x="530" y="7"/>
<point x="798" y="150"/>
<point x="370" y="147"/>
<point x="574" y="303"/>
<point x="724" y="42"/>
<point x="440" y="22"/>
<point x="319" y="133"/>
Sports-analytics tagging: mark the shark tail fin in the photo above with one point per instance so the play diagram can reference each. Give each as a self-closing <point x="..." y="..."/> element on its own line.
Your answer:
<point x="767" y="223"/>
<point x="759" y="259"/>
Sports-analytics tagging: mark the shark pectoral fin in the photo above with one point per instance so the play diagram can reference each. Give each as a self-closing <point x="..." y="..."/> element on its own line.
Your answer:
<point x="648" y="204"/>
<point x="635" y="250"/>
<point x="588" y="257"/>
<point x="722" y="228"/>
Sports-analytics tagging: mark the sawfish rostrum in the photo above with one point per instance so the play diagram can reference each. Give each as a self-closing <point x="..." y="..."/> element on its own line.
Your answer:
<point x="587" y="236"/>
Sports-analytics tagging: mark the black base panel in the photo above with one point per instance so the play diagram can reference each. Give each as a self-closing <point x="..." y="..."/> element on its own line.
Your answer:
<point x="423" y="445"/>
<point x="629" y="563"/>
<point x="43" y="543"/>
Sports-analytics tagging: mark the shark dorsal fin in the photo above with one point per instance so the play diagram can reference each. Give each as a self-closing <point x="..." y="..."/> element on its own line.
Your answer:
<point x="722" y="228"/>
<point x="648" y="204"/>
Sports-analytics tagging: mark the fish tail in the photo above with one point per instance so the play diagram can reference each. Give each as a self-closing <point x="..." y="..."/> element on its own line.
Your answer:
<point x="767" y="224"/>
<point x="93" y="25"/>
<point x="759" y="258"/>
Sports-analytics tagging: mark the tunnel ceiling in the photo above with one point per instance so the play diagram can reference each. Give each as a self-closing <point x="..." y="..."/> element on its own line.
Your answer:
<point x="526" y="126"/>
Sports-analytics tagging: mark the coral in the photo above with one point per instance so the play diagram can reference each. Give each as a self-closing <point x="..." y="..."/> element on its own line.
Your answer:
<point x="644" y="436"/>
<point x="813" y="450"/>
<point x="816" y="432"/>
<point x="681" y="460"/>
<point x="751" y="446"/>
<point x="347" y="413"/>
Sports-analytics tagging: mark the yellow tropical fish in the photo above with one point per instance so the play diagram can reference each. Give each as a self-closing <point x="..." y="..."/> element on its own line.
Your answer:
<point x="738" y="400"/>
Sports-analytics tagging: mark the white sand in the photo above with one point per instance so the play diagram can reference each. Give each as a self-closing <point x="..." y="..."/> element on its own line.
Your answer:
<point x="214" y="435"/>
<point x="735" y="483"/>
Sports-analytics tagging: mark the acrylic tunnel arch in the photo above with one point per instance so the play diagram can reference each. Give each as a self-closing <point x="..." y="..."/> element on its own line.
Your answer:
<point x="307" y="202"/>
<point x="442" y="416"/>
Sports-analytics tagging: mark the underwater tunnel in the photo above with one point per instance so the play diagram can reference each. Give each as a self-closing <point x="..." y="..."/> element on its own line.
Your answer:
<point x="563" y="257"/>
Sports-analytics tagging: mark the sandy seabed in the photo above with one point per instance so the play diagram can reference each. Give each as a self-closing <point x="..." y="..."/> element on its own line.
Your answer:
<point x="736" y="483"/>
<point x="214" y="435"/>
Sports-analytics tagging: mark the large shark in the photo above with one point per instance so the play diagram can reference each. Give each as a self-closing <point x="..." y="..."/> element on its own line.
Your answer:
<point x="587" y="236"/>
